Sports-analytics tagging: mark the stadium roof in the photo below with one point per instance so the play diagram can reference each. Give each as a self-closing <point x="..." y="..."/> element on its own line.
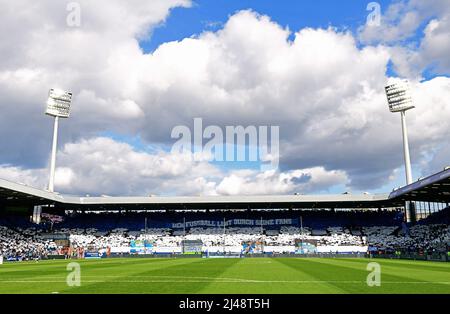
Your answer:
<point x="435" y="188"/>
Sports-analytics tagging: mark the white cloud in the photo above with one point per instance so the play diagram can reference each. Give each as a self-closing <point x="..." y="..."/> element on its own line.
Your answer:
<point x="31" y="177"/>
<point x="104" y="166"/>
<point x="101" y="164"/>
<point x="322" y="89"/>
<point x="435" y="47"/>
<point x="401" y="19"/>
<point x="401" y="23"/>
<point x="271" y="182"/>
<point x="97" y="61"/>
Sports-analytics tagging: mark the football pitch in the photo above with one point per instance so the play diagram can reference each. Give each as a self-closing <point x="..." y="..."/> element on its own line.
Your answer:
<point x="225" y="276"/>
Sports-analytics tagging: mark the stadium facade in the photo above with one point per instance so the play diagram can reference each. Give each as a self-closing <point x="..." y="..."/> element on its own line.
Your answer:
<point x="209" y="226"/>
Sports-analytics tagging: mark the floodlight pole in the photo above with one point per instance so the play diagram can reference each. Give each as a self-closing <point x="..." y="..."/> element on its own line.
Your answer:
<point x="51" y="184"/>
<point x="400" y="100"/>
<point x="406" y="149"/>
<point x="410" y="215"/>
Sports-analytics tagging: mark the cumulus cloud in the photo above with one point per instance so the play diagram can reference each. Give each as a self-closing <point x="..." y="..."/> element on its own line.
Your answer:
<point x="273" y="182"/>
<point x="324" y="90"/>
<point x="104" y="166"/>
<point x="435" y="46"/>
<point x="97" y="61"/>
<point x="35" y="177"/>
<point x="402" y="21"/>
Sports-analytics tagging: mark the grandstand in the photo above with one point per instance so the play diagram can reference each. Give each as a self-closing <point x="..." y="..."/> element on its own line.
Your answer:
<point x="330" y="232"/>
<point x="290" y="225"/>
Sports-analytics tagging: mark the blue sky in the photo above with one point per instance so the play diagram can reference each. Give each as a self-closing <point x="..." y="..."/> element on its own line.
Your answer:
<point x="210" y="15"/>
<point x="207" y="15"/>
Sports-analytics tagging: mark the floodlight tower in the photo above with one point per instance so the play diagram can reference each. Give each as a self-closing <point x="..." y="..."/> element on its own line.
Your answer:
<point x="400" y="100"/>
<point x="58" y="106"/>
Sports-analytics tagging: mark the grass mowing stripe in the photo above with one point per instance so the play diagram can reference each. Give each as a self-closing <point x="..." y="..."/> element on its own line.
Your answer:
<point x="327" y="286"/>
<point x="110" y="285"/>
<point x="249" y="275"/>
<point x="329" y="274"/>
<point x="94" y="267"/>
<point x="391" y="270"/>
<point x="413" y="264"/>
<point x="345" y="270"/>
<point x="267" y="276"/>
<point x="331" y="284"/>
<point x="183" y="267"/>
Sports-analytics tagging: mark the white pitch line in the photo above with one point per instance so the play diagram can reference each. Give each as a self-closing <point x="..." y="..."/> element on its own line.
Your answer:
<point x="229" y="281"/>
<point x="182" y="278"/>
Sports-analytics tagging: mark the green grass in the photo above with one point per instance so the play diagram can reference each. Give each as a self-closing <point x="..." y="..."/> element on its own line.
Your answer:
<point x="249" y="275"/>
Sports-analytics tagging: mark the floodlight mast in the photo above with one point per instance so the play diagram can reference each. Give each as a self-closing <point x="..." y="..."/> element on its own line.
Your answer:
<point x="400" y="100"/>
<point x="408" y="171"/>
<point x="51" y="183"/>
<point x="58" y="106"/>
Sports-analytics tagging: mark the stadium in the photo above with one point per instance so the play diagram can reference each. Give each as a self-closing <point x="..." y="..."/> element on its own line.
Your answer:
<point x="116" y="207"/>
